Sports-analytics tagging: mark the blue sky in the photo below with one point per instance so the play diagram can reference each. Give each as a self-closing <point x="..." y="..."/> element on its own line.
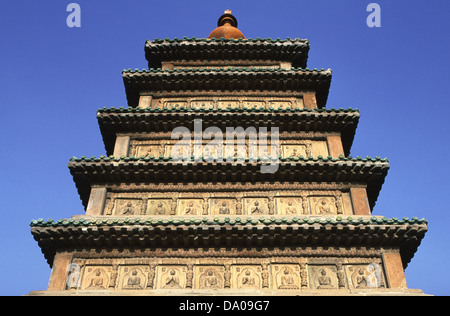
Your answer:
<point x="54" y="78"/>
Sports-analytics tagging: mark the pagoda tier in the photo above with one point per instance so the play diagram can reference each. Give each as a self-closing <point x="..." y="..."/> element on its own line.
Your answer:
<point x="107" y="171"/>
<point x="217" y="221"/>
<point x="140" y="83"/>
<point x="142" y="234"/>
<point x="169" y="54"/>
<point x="294" y="122"/>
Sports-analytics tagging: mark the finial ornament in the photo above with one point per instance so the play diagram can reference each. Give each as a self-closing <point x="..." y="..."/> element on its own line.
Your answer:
<point x="227" y="27"/>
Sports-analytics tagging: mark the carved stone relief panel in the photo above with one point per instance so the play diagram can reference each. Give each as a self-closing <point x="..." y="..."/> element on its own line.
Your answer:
<point x="175" y="104"/>
<point x="128" y="207"/>
<point x="325" y="205"/>
<point x="289" y="205"/>
<point x="133" y="277"/>
<point x="256" y="206"/>
<point x="323" y="277"/>
<point x="209" y="277"/>
<point x="96" y="278"/>
<point x="190" y="207"/>
<point x="159" y="207"/>
<point x="154" y="150"/>
<point x="246" y="277"/>
<point x="223" y="206"/>
<point x="281" y="104"/>
<point x="297" y="150"/>
<point x="171" y="277"/>
<point x="365" y="276"/>
<point x="286" y="276"/>
<point x="202" y="104"/>
<point x="254" y="104"/>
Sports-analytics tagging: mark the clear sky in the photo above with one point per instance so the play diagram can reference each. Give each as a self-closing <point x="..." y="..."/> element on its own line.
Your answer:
<point x="54" y="78"/>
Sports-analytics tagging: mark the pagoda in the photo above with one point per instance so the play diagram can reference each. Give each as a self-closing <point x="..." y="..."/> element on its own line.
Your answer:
<point x="282" y="209"/>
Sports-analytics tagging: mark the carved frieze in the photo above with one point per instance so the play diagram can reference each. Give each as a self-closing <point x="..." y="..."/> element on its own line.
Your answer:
<point x="251" y="203"/>
<point x="342" y="269"/>
<point x="228" y="102"/>
<point x="169" y="147"/>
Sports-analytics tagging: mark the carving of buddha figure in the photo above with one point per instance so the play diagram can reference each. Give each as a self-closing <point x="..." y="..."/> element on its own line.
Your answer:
<point x="287" y="280"/>
<point x="256" y="209"/>
<point x="290" y="209"/>
<point x="224" y="209"/>
<point x="134" y="281"/>
<point x="248" y="279"/>
<point x="361" y="281"/>
<point x="324" y="207"/>
<point x="172" y="281"/>
<point x="160" y="210"/>
<point x="128" y="210"/>
<point x="190" y="209"/>
<point x="324" y="281"/>
<point x="96" y="281"/>
<point x="210" y="280"/>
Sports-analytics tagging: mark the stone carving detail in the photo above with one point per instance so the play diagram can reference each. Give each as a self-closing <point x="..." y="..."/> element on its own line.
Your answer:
<point x="202" y="104"/>
<point x="289" y="205"/>
<point x="287" y="277"/>
<point x="225" y="102"/>
<point x="190" y="206"/>
<point x="172" y="277"/>
<point x="159" y="206"/>
<point x="247" y="277"/>
<point x="296" y="151"/>
<point x="109" y="207"/>
<point x="303" y="276"/>
<point x="366" y="276"/>
<point x="151" y="276"/>
<point x="168" y="272"/>
<point x="175" y="104"/>
<point x="223" y="206"/>
<point x="211" y="277"/>
<point x="254" y="104"/>
<point x="133" y="278"/>
<point x="128" y="207"/>
<point x="323" y="277"/>
<point x="281" y="104"/>
<point x="323" y="205"/>
<point x="96" y="278"/>
<point x="243" y="149"/>
<point x="256" y="206"/>
<point x="147" y="151"/>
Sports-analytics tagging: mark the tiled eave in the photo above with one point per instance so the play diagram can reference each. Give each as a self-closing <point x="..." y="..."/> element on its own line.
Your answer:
<point x="141" y="233"/>
<point x="292" y="50"/>
<point x="226" y="79"/>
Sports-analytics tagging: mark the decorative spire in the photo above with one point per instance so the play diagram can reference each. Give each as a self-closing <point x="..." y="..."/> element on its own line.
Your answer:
<point x="227" y="27"/>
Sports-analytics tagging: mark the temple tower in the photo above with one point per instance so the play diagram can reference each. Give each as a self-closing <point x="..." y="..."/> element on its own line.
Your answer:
<point x="227" y="174"/>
